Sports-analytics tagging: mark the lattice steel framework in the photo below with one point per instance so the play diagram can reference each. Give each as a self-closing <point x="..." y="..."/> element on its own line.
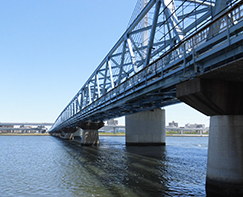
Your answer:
<point x="160" y="26"/>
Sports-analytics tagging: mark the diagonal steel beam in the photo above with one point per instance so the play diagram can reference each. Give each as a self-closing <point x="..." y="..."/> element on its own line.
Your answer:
<point x="133" y="59"/>
<point x="151" y="39"/>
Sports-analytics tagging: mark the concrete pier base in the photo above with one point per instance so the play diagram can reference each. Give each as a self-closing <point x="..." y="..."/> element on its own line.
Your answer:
<point x="146" y="128"/>
<point x="225" y="156"/>
<point x="67" y="136"/>
<point x="90" y="133"/>
<point x="77" y="134"/>
<point x="90" y="137"/>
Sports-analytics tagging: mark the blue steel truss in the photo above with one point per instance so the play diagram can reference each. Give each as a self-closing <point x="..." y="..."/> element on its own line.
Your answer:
<point x="162" y="42"/>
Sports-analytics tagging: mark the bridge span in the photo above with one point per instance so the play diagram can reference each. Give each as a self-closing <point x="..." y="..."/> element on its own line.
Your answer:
<point x="172" y="51"/>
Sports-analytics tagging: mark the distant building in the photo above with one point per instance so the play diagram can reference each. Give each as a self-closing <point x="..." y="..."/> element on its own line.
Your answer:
<point x="25" y="127"/>
<point x="6" y="126"/>
<point x="194" y="126"/>
<point x="41" y="129"/>
<point x="112" y="122"/>
<point x="173" y="124"/>
<point x="189" y="128"/>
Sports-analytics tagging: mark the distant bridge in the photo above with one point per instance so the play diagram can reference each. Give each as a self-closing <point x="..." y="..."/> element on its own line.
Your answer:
<point x="24" y="123"/>
<point x="20" y="129"/>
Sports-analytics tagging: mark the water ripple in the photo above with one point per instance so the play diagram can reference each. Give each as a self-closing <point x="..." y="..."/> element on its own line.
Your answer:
<point x="48" y="166"/>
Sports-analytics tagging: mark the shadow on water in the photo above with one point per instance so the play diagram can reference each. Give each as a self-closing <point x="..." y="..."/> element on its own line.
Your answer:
<point x="148" y="167"/>
<point x="135" y="170"/>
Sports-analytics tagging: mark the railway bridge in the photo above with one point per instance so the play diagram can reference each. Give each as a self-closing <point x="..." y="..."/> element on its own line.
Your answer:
<point x="172" y="51"/>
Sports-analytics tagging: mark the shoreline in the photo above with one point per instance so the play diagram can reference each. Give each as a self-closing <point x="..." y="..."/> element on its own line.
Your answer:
<point x="168" y="135"/>
<point x="187" y="135"/>
<point x="25" y="134"/>
<point x="109" y="135"/>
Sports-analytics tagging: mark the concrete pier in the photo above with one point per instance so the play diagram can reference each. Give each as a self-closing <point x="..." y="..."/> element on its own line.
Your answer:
<point x="90" y="133"/>
<point x="146" y="128"/>
<point x="221" y="99"/>
<point x="67" y="136"/>
<point x="225" y="156"/>
<point x="77" y="134"/>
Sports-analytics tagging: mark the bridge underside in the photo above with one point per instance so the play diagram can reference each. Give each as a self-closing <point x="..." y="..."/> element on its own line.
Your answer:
<point x="218" y="92"/>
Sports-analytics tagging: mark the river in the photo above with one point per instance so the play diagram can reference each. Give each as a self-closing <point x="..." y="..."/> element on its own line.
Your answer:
<point x="49" y="166"/>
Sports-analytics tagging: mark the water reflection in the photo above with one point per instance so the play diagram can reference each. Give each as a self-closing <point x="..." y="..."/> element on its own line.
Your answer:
<point x="49" y="166"/>
<point x="146" y="170"/>
<point x="141" y="171"/>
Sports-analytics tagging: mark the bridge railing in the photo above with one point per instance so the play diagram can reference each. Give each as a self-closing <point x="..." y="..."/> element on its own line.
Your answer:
<point x="175" y="59"/>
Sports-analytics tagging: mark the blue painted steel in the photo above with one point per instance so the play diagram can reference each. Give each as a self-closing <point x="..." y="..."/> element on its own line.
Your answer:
<point x="186" y="38"/>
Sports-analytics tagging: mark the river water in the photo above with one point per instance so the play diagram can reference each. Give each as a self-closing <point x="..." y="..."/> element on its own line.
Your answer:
<point x="49" y="166"/>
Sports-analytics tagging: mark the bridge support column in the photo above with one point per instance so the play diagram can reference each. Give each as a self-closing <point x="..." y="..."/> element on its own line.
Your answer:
<point x="146" y="128"/>
<point x="90" y="133"/>
<point x="77" y="134"/>
<point x="222" y="101"/>
<point x="225" y="156"/>
<point x="68" y="136"/>
<point x="67" y="133"/>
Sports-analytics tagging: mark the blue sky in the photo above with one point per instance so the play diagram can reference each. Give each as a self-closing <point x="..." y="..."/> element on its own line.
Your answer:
<point x="49" y="48"/>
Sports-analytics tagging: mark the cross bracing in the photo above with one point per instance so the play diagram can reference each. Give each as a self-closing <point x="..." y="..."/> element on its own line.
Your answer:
<point x="159" y="28"/>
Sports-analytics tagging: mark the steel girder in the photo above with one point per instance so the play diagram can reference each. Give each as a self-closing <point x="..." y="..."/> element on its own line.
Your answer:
<point x="161" y="26"/>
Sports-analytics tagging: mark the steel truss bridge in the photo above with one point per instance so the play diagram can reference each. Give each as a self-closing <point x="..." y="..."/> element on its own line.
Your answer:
<point x="166" y="43"/>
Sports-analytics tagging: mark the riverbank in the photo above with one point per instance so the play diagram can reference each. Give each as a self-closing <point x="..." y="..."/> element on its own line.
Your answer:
<point x="167" y="135"/>
<point x="111" y="134"/>
<point x="102" y="134"/>
<point x="186" y="135"/>
<point x="24" y="134"/>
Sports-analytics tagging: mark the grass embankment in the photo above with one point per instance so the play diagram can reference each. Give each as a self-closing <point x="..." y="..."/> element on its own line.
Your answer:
<point x="24" y="134"/>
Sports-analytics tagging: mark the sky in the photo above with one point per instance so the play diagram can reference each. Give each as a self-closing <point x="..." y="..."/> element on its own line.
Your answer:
<point x="49" y="48"/>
